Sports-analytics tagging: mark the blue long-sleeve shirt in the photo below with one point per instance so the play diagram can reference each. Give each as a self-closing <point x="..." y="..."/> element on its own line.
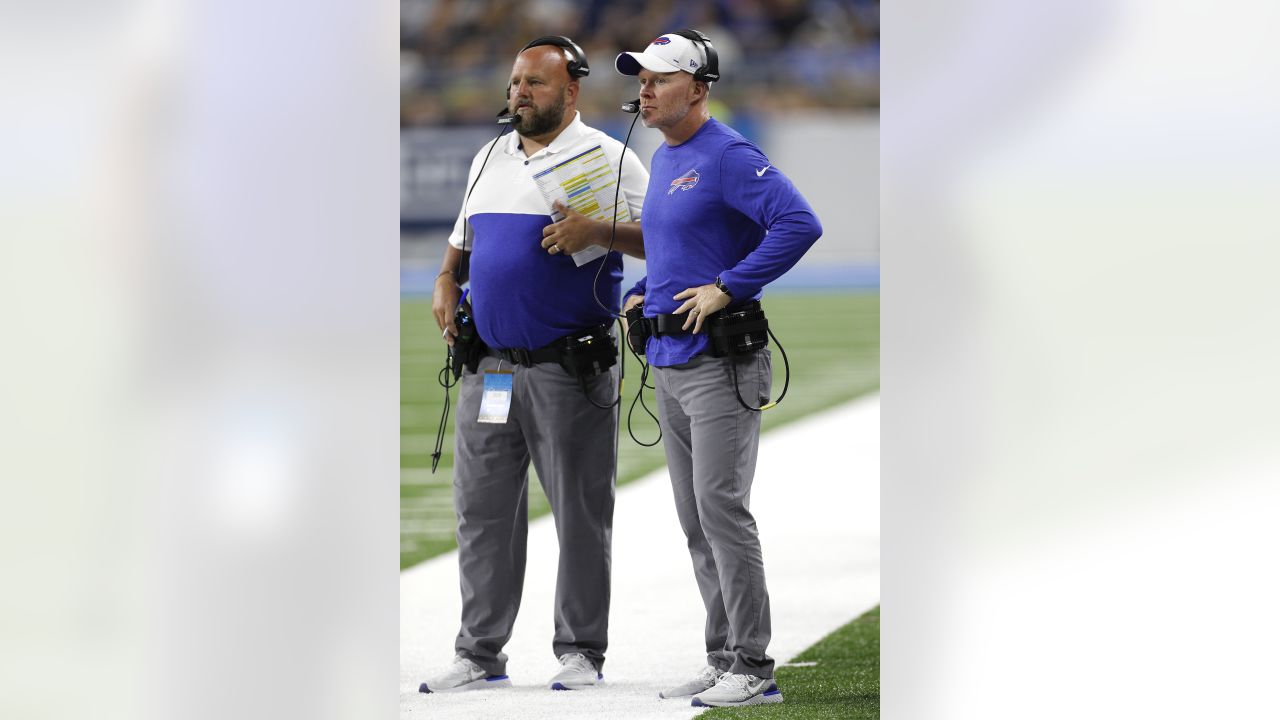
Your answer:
<point x="716" y="206"/>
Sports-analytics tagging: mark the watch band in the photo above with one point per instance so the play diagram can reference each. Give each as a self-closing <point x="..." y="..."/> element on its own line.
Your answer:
<point x="723" y="288"/>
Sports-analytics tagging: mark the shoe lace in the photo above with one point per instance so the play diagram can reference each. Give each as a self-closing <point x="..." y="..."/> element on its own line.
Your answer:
<point x="578" y="661"/>
<point x="733" y="681"/>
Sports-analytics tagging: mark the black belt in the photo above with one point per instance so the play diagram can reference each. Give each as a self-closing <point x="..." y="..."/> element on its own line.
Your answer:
<point x="520" y="356"/>
<point x="548" y="354"/>
<point x="662" y="324"/>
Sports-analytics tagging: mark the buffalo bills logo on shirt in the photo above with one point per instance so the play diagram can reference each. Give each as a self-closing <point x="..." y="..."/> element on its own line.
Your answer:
<point x="684" y="182"/>
<point x="661" y="41"/>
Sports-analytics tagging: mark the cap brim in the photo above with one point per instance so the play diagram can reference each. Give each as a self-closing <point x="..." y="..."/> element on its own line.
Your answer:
<point x="630" y="63"/>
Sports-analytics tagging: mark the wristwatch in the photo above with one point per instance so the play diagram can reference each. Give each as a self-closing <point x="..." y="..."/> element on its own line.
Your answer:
<point x="723" y="288"/>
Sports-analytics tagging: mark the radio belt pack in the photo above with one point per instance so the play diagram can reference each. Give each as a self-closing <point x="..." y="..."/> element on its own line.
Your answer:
<point x="582" y="355"/>
<point x="733" y="332"/>
<point x="467" y="347"/>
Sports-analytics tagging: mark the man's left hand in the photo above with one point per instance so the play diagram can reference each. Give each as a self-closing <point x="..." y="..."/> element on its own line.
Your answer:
<point x="572" y="234"/>
<point x="700" y="302"/>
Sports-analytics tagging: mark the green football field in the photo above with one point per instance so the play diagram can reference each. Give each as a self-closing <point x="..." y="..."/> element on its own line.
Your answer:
<point x="831" y="339"/>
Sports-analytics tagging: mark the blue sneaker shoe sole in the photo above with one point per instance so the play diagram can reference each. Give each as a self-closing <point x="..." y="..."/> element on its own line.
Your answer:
<point x="772" y="695"/>
<point x="562" y="686"/>
<point x="494" y="681"/>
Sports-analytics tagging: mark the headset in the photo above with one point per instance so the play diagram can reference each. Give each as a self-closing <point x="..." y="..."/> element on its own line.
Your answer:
<point x="710" y="70"/>
<point x="577" y="60"/>
<point x="576" y="64"/>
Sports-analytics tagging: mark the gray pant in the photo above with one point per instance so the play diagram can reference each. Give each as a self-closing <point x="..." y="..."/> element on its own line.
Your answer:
<point x="571" y="444"/>
<point x="711" y="443"/>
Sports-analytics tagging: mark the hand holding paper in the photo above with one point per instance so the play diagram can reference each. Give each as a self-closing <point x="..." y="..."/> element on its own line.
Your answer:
<point x="583" y="186"/>
<point x="573" y="233"/>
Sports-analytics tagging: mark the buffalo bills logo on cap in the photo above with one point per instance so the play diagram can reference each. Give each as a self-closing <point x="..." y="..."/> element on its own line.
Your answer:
<point x="661" y="41"/>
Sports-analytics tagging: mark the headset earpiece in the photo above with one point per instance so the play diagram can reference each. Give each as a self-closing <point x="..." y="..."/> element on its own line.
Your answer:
<point x="710" y="71"/>
<point x="576" y="60"/>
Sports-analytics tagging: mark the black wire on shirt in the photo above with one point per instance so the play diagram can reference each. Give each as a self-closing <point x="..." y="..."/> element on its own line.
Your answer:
<point x="595" y="282"/>
<point x="447" y="371"/>
<point x="622" y="329"/>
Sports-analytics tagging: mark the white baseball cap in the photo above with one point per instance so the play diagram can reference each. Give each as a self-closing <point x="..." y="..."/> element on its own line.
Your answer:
<point x="665" y="54"/>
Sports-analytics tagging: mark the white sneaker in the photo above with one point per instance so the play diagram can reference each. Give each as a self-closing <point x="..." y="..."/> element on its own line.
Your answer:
<point x="576" y="672"/>
<point x="463" y="674"/>
<point x="704" y="680"/>
<point x="734" y="690"/>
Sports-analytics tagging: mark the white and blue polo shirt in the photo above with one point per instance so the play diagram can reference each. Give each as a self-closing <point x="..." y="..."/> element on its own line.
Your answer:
<point x="716" y="207"/>
<point x="524" y="297"/>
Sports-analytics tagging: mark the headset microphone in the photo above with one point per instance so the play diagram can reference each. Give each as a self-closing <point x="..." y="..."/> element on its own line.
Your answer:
<point x="632" y="107"/>
<point x="505" y="117"/>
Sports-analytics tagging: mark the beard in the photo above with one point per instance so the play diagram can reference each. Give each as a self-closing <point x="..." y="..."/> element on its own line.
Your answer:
<point x="540" y="121"/>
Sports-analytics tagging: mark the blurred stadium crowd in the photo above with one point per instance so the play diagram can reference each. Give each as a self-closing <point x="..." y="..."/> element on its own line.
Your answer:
<point x="775" y="55"/>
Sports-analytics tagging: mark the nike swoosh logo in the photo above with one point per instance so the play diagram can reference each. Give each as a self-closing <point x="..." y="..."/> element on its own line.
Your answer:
<point x="760" y="172"/>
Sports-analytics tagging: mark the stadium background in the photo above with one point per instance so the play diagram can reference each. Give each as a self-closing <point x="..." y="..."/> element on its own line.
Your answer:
<point x="801" y="79"/>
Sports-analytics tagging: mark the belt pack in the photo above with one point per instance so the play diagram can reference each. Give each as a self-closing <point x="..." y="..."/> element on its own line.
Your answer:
<point x="584" y="354"/>
<point x="467" y="347"/>
<point x="733" y="331"/>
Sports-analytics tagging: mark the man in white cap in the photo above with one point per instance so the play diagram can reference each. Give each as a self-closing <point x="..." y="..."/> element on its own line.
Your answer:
<point x="720" y="222"/>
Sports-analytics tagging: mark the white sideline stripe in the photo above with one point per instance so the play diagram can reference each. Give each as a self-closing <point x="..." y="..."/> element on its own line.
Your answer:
<point x="816" y="499"/>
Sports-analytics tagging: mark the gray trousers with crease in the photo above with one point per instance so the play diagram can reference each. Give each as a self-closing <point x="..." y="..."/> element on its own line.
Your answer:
<point x="571" y="445"/>
<point x="711" y="443"/>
